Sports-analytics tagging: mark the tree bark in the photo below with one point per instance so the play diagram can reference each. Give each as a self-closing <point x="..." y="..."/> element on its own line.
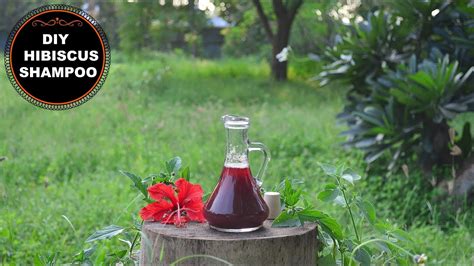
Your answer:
<point x="435" y="150"/>
<point x="263" y="19"/>
<point x="285" y="14"/>
<point x="197" y="244"/>
<point x="281" y="40"/>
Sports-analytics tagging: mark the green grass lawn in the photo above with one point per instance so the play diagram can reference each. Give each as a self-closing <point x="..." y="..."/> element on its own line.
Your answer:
<point x="63" y="166"/>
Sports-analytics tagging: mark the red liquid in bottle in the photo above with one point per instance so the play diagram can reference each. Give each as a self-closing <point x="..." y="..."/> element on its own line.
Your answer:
<point x="236" y="201"/>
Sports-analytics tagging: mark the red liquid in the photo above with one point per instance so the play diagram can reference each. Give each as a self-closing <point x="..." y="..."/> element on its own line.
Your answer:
<point x="236" y="201"/>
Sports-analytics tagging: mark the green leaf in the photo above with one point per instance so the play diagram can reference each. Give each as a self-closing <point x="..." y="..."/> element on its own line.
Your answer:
<point x="287" y="220"/>
<point x="85" y="254"/>
<point x="424" y="79"/>
<point x="185" y="173"/>
<point x="364" y="143"/>
<point x="289" y="195"/>
<point x="100" y="258"/>
<point x="350" y="176"/>
<point x="325" y="238"/>
<point x="383" y="227"/>
<point x="382" y="246"/>
<point x="392" y="231"/>
<point x="327" y="260"/>
<point x="403" y="97"/>
<point x="400" y="235"/>
<point x="149" y="179"/>
<point x="368" y="210"/>
<point x="89" y="251"/>
<point x="374" y="155"/>
<point x="173" y="165"/>
<point x="362" y="256"/>
<point x="328" y="169"/>
<point x="120" y="254"/>
<point x="327" y="223"/>
<point x="137" y="182"/>
<point x="369" y="118"/>
<point x="105" y="233"/>
<point x="467" y="42"/>
<point x="331" y="193"/>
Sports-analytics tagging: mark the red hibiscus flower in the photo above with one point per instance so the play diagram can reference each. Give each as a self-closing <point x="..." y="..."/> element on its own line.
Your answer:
<point x="170" y="208"/>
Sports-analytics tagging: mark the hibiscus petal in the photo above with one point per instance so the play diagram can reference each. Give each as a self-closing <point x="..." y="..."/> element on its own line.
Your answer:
<point x="156" y="210"/>
<point x="194" y="210"/>
<point x="161" y="191"/>
<point x="196" y="217"/>
<point x="187" y="191"/>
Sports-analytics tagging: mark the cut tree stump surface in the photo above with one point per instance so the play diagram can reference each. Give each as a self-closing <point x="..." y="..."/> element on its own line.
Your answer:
<point x="267" y="246"/>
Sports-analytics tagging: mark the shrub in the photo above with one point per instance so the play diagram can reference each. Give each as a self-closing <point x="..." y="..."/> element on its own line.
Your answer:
<point x="408" y="66"/>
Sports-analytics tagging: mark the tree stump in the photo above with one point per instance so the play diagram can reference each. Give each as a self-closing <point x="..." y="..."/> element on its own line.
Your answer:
<point x="165" y="244"/>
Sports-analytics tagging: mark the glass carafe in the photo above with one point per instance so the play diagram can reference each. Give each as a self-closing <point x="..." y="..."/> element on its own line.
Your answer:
<point x="236" y="204"/>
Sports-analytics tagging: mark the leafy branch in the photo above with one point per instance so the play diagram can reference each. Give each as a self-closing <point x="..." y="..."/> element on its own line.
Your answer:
<point x="381" y="244"/>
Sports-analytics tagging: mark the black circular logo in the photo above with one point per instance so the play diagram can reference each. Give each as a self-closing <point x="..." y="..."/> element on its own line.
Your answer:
<point x="57" y="57"/>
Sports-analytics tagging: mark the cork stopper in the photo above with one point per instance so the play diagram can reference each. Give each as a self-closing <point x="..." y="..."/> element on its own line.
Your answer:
<point x="273" y="202"/>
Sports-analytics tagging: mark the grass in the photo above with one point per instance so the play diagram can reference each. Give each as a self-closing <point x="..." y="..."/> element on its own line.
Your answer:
<point x="61" y="179"/>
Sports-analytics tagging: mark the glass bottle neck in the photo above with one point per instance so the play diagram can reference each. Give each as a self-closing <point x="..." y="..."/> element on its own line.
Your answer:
<point x="236" y="148"/>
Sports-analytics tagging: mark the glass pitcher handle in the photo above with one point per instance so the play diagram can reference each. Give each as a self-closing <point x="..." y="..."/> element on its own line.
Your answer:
<point x="258" y="146"/>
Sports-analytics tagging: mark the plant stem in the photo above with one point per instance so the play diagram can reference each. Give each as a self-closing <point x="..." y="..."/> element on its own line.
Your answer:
<point x="349" y="209"/>
<point x="342" y="257"/>
<point x="380" y="240"/>
<point x="134" y="241"/>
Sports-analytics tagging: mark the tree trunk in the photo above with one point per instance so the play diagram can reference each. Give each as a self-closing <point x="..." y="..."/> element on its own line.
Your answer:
<point x="285" y="14"/>
<point x="197" y="244"/>
<point x="463" y="184"/>
<point x="280" y="41"/>
<point x="435" y="139"/>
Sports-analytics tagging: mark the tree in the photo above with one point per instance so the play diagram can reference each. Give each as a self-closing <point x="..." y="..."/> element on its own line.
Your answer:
<point x="285" y="12"/>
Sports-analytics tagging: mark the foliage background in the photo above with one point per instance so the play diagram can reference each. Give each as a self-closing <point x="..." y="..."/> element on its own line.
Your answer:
<point x="61" y="179"/>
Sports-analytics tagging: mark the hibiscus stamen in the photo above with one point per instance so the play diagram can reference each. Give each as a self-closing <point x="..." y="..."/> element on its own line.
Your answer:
<point x="170" y="215"/>
<point x="179" y="223"/>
